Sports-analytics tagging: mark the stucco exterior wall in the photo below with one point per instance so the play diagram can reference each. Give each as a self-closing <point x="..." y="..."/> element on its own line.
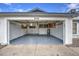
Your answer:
<point x="3" y="31"/>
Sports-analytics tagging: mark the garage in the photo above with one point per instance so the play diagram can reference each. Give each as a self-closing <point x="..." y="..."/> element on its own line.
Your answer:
<point x="35" y="32"/>
<point x="35" y="27"/>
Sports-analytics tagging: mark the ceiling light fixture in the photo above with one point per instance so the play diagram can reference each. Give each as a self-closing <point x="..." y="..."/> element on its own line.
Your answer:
<point x="31" y="24"/>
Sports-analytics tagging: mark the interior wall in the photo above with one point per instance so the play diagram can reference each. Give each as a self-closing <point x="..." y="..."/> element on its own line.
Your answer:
<point x="37" y="30"/>
<point x="57" y="32"/>
<point x="33" y="30"/>
<point x="16" y="31"/>
<point x="43" y="31"/>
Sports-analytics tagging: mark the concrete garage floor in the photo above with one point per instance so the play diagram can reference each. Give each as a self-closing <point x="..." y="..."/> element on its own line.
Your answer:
<point x="36" y="39"/>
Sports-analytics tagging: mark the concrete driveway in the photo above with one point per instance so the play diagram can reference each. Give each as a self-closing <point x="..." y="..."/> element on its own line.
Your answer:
<point x="39" y="50"/>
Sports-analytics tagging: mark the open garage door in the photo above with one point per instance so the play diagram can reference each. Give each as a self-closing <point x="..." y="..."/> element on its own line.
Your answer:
<point x="28" y="30"/>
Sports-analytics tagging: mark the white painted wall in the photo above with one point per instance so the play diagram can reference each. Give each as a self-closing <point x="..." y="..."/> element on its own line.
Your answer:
<point x="32" y="31"/>
<point x="37" y="31"/>
<point x="68" y="31"/>
<point x="57" y="32"/>
<point x="42" y="30"/>
<point x="16" y="31"/>
<point x="3" y="31"/>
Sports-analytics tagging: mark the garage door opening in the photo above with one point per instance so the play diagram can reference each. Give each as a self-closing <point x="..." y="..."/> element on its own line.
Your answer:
<point x="35" y="32"/>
